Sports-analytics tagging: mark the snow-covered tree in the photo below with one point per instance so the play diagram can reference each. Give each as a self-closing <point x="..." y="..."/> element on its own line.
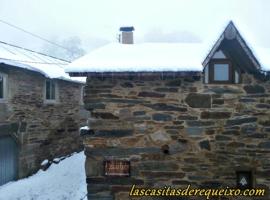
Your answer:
<point x="72" y="48"/>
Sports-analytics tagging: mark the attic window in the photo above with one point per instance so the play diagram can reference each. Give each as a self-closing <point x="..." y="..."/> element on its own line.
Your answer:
<point x="220" y="71"/>
<point x="50" y="90"/>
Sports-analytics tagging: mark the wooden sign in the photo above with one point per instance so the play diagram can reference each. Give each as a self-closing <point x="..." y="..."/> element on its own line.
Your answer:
<point x="117" y="168"/>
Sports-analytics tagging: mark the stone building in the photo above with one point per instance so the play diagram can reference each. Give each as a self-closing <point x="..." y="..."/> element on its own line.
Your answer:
<point x="40" y="111"/>
<point x="173" y="120"/>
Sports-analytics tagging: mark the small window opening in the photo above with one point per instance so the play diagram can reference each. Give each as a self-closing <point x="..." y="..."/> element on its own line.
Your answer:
<point x="50" y="90"/>
<point x="244" y="179"/>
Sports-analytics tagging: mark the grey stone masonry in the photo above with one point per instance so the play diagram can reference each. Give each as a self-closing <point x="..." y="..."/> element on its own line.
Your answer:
<point x="176" y="131"/>
<point x="42" y="130"/>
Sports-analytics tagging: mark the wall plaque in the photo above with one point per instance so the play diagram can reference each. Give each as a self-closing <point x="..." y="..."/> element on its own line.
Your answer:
<point x="117" y="168"/>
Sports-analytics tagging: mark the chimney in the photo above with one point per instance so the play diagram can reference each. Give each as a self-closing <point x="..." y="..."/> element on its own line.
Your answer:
<point x="126" y="36"/>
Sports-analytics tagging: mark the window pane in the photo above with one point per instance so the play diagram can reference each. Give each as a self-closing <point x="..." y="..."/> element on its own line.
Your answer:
<point x="1" y="87"/>
<point x="52" y="90"/>
<point x="48" y="89"/>
<point x="221" y="72"/>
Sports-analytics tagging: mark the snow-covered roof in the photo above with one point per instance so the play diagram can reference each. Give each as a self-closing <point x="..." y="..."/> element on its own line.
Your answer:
<point x="50" y="67"/>
<point x="116" y="57"/>
<point x="151" y="57"/>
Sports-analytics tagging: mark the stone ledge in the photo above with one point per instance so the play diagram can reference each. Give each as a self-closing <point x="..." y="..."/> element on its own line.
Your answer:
<point x="112" y="151"/>
<point x="114" y="181"/>
<point x="106" y="133"/>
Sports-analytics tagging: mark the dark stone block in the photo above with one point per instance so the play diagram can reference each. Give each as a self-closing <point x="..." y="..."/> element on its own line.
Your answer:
<point x="161" y="117"/>
<point x="182" y="182"/>
<point x="96" y="91"/>
<point x="231" y="132"/>
<point x="265" y="145"/>
<point x="174" y="127"/>
<point x="151" y="94"/>
<point x="236" y="145"/>
<point x="224" y="90"/>
<point x="174" y="83"/>
<point x="113" y="133"/>
<point x="127" y="85"/>
<point x="194" y="131"/>
<point x="178" y="122"/>
<point x="191" y="79"/>
<point x="267" y="129"/>
<point x="61" y="130"/>
<point x="198" y="178"/>
<point x="254" y="89"/>
<point x="158" y="166"/>
<point x="247" y="100"/>
<point x="151" y="174"/>
<point x="240" y="120"/>
<point x="115" y="181"/>
<point x="85" y="132"/>
<point x="99" y="197"/>
<point x="111" y="151"/>
<point x="179" y="147"/>
<point x="104" y="115"/>
<point x="263" y="106"/>
<point x="187" y="117"/>
<point x="209" y="132"/>
<point x="109" y="96"/>
<point x="211" y="184"/>
<point x="195" y="100"/>
<point x="205" y="145"/>
<point x="120" y="188"/>
<point x="165" y="107"/>
<point x="257" y="135"/>
<point x="265" y="123"/>
<point x="248" y="128"/>
<point x="166" y="89"/>
<point x="257" y="95"/>
<point x="222" y="138"/>
<point x="95" y="188"/>
<point x="138" y="113"/>
<point x="200" y="123"/>
<point x="113" y="100"/>
<point x="215" y="115"/>
<point x="172" y="132"/>
<point x="218" y="101"/>
<point x="91" y="106"/>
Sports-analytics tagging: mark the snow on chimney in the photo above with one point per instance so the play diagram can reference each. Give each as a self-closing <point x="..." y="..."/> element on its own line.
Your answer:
<point x="126" y="36"/>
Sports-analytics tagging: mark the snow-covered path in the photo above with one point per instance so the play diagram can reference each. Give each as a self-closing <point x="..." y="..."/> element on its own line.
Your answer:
<point x="63" y="181"/>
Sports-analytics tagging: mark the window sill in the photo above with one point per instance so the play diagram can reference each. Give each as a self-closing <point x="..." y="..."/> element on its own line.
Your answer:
<point x="50" y="101"/>
<point x="3" y="101"/>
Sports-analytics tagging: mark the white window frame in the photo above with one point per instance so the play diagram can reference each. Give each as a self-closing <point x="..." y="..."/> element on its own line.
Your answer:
<point x="82" y="94"/>
<point x="56" y="99"/>
<point x="5" y="87"/>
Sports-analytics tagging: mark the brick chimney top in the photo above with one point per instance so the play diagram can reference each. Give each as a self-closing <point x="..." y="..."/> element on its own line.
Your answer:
<point x="126" y="36"/>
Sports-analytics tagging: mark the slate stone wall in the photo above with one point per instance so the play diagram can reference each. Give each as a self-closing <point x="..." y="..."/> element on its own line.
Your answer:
<point x="42" y="131"/>
<point x="176" y="131"/>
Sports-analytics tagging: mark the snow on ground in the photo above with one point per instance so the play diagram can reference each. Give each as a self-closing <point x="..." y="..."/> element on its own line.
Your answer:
<point x="63" y="181"/>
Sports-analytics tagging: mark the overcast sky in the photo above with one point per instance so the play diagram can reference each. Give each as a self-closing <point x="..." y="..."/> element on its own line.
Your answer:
<point x="97" y="22"/>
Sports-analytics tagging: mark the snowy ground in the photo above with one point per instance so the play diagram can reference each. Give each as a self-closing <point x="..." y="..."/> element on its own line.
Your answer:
<point x="63" y="181"/>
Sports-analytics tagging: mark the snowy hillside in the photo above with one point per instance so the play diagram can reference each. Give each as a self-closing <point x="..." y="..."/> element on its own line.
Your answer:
<point x="63" y="181"/>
